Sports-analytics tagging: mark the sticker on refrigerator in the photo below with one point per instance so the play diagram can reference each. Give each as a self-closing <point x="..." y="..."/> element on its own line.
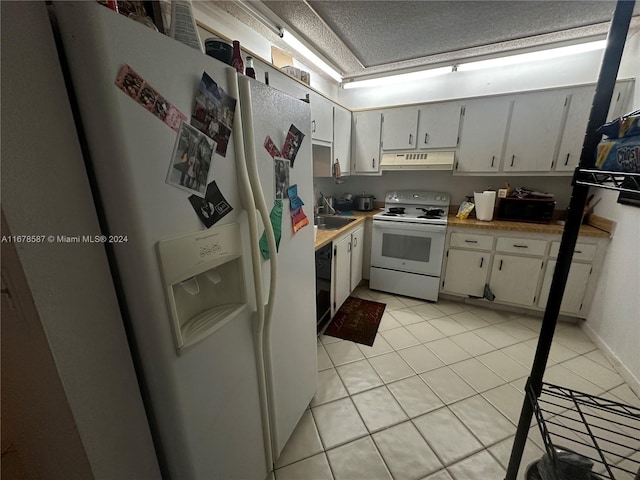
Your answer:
<point x="212" y="207"/>
<point x="295" y="201"/>
<point x="298" y="217"/>
<point x="137" y="88"/>
<point x="281" y="168"/>
<point x="191" y="160"/>
<point x="276" y="222"/>
<point x="271" y="148"/>
<point x="292" y="144"/>
<point x="213" y="111"/>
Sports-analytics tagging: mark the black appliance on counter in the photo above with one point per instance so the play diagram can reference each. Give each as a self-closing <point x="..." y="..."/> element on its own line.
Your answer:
<point x="528" y="209"/>
<point x="324" y="258"/>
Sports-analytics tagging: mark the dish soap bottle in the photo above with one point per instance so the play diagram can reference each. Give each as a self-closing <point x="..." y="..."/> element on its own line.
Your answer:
<point x="249" y="71"/>
<point x="236" y="58"/>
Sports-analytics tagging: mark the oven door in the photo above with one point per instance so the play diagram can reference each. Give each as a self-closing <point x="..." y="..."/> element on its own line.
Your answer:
<point x="408" y="247"/>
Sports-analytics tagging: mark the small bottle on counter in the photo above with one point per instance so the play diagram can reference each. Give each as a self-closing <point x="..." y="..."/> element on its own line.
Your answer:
<point x="249" y="71"/>
<point x="236" y="58"/>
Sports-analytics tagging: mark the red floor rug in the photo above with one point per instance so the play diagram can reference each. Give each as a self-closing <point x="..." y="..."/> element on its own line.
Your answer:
<point x="357" y="320"/>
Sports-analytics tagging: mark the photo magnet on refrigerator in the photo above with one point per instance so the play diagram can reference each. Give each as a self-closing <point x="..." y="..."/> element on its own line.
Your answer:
<point x="137" y="88"/>
<point x="281" y="168"/>
<point x="191" y="161"/>
<point x="213" y="111"/>
<point x="271" y="148"/>
<point x="292" y="144"/>
<point x="213" y="207"/>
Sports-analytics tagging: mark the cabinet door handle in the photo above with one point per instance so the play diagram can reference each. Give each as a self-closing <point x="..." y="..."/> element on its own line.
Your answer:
<point x="493" y="159"/>
<point x="513" y="158"/>
<point x="500" y="267"/>
<point x="410" y="139"/>
<point x="481" y="261"/>
<point x="426" y="138"/>
<point x="520" y="246"/>
<point x="566" y="162"/>
<point x="349" y="247"/>
<point x="355" y="242"/>
<point x="373" y="163"/>
<point x="471" y="241"/>
<point x="577" y="251"/>
<point x="313" y="126"/>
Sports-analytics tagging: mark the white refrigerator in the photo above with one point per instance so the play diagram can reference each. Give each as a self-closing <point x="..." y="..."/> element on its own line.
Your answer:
<point x="226" y="339"/>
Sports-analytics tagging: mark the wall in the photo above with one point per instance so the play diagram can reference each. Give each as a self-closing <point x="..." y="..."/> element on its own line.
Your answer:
<point x="456" y="186"/>
<point x="559" y="72"/>
<point x="614" y="318"/>
<point x="45" y="191"/>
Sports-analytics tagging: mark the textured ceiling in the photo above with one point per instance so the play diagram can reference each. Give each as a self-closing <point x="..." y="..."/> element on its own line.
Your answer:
<point x="372" y="37"/>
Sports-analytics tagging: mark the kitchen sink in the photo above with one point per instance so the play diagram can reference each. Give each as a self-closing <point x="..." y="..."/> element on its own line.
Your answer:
<point x="332" y="222"/>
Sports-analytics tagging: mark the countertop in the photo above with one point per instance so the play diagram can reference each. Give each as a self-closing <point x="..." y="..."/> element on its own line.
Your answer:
<point x="326" y="236"/>
<point x="549" y="228"/>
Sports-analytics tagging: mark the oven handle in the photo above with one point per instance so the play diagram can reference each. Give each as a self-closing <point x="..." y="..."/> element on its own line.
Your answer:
<point x="408" y="226"/>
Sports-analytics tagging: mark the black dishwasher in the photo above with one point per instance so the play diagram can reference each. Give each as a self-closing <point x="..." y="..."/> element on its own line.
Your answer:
<point x="324" y="257"/>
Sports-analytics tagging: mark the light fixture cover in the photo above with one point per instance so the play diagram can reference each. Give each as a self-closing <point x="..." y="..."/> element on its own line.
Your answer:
<point x="400" y="78"/>
<point x="307" y="53"/>
<point x="532" y="56"/>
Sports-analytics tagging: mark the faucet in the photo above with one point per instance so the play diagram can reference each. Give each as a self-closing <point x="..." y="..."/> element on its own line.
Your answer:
<point x="326" y="202"/>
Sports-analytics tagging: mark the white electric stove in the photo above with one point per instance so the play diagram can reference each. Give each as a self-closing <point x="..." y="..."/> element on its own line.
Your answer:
<point x="408" y="243"/>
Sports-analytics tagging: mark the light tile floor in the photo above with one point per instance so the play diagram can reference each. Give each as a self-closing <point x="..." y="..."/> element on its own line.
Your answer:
<point x="437" y="397"/>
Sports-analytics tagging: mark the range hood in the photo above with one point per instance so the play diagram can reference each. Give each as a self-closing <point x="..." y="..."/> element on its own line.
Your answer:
<point x="417" y="161"/>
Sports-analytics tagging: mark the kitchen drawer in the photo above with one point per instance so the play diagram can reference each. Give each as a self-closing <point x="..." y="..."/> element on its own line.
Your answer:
<point x="466" y="240"/>
<point x="521" y="245"/>
<point x="583" y="251"/>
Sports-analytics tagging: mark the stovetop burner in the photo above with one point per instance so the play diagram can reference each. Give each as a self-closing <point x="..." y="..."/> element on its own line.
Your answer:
<point x="396" y="210"/>
<point x="431" y="212"/>
<point x="415" y="207"/>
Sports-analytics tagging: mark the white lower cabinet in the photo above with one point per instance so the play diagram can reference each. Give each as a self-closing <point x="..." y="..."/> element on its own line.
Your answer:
<point x="466" y="272"/>
<point x="518" y="270"/>
<point x="347" y="265"/>
<point x="572" y="300"/>
<point x="357" y="244"/>
<point x="341" y="271"/>
<point x="515" y="279"/>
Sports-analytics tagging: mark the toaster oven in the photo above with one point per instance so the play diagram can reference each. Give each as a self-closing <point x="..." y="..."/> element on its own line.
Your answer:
<point x="535" y="210"/>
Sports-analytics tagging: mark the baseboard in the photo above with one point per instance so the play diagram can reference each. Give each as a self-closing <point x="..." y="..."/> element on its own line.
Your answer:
<point x="625" y="373"/>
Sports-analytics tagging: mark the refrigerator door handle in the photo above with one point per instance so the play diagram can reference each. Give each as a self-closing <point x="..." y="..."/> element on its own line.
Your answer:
<point x="247" y="195"/>
<point x="261" y="205"/>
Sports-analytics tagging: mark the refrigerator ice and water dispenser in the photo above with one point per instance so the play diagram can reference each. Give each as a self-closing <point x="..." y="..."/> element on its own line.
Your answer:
<point x="204" y="281"/>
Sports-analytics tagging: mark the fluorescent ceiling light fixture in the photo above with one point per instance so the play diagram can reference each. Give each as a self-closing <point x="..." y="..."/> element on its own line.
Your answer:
<point x="315" y="59"/>
<point x="402" y="77"/>
<point x="532" y="56"/>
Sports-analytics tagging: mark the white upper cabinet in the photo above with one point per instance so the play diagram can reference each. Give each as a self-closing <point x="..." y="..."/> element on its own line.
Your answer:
<point x="400" y="128"/>
<point x="438" y="125"/>
<point x="342" y="138"/>
<point x="365" y="136"/>
<point x="321" y="118"/>
<point x="575" y="127"/>
<point x="534" y="131"/>
<point x="620" y="99"/>
<point x="484" y="127"/>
